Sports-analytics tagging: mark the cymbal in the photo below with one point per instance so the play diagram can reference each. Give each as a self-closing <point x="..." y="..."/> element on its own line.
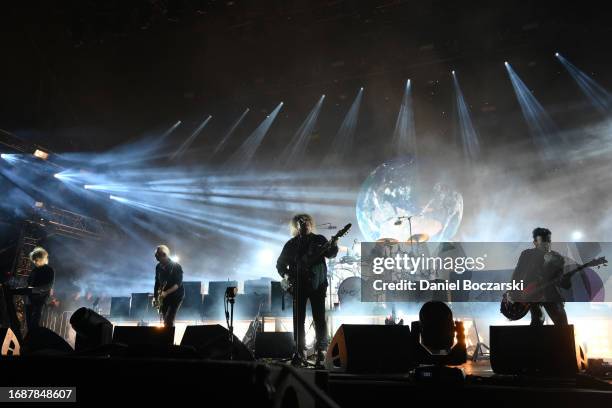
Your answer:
<point x="418" y="238"/>
<point x="387" y="241"/>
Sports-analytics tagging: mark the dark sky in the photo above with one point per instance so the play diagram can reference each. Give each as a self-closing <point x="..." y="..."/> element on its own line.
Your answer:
<point x="84" y="75"/>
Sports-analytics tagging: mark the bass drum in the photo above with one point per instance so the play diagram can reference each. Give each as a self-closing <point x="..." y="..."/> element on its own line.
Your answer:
<point x="349" y="291"/>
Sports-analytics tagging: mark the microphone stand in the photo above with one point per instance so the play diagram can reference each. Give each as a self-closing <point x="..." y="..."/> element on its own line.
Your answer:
<point x="296" y="302"/>
<point x="230" y="297"/>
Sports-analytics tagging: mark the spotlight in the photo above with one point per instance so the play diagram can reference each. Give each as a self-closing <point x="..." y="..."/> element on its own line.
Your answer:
<point x="556" y="54"/>
<point x="361" y="88"/>
<point x="112" y="197"/>
<point x="176" y="258"/>
<point x="265" y="256"/>
<point x="86" y="186"/>
<point x="506" y="63"/>
<point x="437" y="326"/>
<point x="4" y="156"/>
<point x="433" y="336"/>
<point x="92" y="329"/>
<point x="576" y="235"/>
<point x="57" y="176"/>
<point x="41" y="154"/>
<point x="453" y="72"/>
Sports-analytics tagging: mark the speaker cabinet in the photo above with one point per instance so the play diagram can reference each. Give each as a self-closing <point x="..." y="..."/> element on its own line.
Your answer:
<point x="144" y="335"/>
<point x="213" y="342"/>
<point x="274" y="345"/>
<point x="360" y="348"/>
<point x="41" y="340"/>
<point x="535" y="350"/>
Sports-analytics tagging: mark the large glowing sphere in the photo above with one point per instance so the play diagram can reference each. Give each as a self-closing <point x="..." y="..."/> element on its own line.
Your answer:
<point x="394" y="190"/>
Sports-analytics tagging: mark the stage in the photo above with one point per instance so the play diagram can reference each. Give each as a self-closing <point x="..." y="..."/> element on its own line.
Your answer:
<point x="119" y="380"/>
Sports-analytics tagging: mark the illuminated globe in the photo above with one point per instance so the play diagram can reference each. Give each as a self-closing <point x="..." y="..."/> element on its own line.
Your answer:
<point x="394" y="191"/>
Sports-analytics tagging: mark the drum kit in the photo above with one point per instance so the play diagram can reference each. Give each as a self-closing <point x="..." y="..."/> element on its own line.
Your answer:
<point x="344" y="271"/>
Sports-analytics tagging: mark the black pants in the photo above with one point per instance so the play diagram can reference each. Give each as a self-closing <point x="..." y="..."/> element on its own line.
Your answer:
<point x="317" y="303"/>
<point x="169" y="310"/>
<point x="33" y="314"/>
<point x="556" y="311"/>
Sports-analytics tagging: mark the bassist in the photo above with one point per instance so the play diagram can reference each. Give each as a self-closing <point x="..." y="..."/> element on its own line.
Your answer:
<point x="303" y="261"/>
<point x="169" y="290"/>
<point x="542" y="266"/>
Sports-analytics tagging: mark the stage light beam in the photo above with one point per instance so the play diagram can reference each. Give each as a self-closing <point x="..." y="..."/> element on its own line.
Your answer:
<point x="185" y="145"/>
<point x="299" y="142"/>
<point x="10" y="158"/>
<point x="243" y="156"/>
<point x="404" y="135"/>
<point x="469" y="136"/>
<point x="597" y="95"/>
<point x="231" y="130"/>
<point x="543" y="130"/>
<point x="343" y="142"/>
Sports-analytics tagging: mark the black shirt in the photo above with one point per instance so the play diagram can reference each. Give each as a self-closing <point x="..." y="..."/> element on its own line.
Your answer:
<point x="306" y="249"/>
<point x="167" y="276"/>
<point x="41" y="278"/>
<point x="541" y="268"/>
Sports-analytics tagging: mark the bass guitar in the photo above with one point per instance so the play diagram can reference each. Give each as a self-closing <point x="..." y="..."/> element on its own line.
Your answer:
<point x="515" y="310"/>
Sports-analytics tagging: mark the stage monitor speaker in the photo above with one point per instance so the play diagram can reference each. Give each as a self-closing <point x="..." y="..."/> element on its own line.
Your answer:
<point x="144" y="335"/>
<point x="361" y="348"/>
<point x="9" y="344"/>
<point x="535" y="350"/>
<point x="44" y="341"/>
<point x="212" y="341"/>
<point x="274" y="345"/>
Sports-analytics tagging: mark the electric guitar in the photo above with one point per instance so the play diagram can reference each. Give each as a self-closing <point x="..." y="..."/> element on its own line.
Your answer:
<point x="158" y="300"/>
<point x="289" y="280"/>
<point x="515" y="310"/>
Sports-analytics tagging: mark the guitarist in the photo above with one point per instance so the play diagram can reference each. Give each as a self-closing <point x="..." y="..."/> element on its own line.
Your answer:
<point x="308" y="277"/>
<point x="169" y="290"/>
<point x="541" y="265"/>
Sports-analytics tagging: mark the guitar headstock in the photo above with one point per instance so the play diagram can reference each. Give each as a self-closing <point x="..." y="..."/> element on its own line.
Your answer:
<point x="597" y="262"/>
<point x="343" y="231"/>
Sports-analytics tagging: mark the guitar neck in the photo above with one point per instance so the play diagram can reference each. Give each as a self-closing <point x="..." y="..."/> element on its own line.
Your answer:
<point x="572" y="272"/>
